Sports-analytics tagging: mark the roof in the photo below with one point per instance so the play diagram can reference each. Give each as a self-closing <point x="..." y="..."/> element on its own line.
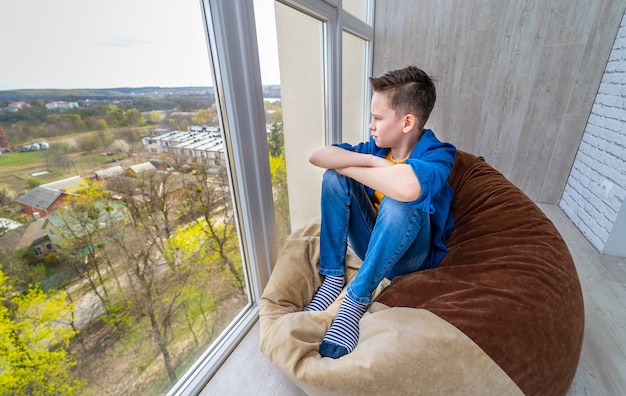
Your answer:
<point x="59" y="220"/>
<point x="110" y="172"/>
<point x="34" y="234"/>
<point x="9" y="240"/>
<point x="143" y="167"/>
<point x="40" y="197"/>
<point x="66" y="185"/>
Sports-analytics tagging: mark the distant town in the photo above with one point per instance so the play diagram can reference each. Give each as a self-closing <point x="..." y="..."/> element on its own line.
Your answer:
<point x="117" y="205"/>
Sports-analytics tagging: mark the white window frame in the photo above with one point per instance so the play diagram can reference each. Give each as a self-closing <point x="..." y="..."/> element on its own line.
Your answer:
<point x="231" y="39"/>
<point x="336" y="21"/>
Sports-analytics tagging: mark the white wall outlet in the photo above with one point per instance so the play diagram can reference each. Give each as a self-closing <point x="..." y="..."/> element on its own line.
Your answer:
<point x="605" y="188"/>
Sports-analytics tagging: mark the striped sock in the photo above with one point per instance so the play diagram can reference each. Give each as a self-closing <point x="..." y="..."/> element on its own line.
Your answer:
<point x="343" y="334"/>
<point x="326" y="294"/>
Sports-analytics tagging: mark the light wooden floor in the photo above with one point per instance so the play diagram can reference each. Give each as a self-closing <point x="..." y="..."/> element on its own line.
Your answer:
<point x="602" y="367"/>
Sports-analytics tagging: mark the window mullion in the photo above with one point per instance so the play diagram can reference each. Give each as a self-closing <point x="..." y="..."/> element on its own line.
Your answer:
<point x="231" y="34"/>
<point x="239" y="88"/>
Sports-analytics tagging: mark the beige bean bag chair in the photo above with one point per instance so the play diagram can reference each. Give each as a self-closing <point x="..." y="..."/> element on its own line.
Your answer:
<point x="501" y="315"/>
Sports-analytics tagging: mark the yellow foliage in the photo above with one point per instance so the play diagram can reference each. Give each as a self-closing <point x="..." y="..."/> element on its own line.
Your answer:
<point x="187" y="242"/>
<point x="34" y="337"/>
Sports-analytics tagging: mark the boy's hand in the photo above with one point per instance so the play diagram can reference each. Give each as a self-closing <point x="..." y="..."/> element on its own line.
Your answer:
<point x="332" y="157"/>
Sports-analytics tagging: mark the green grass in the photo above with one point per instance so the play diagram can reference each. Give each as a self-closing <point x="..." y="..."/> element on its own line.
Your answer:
<point x="20" y="159"/>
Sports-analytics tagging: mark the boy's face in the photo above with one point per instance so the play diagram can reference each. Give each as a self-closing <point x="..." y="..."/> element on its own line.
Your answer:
<point x="386" y="126"/>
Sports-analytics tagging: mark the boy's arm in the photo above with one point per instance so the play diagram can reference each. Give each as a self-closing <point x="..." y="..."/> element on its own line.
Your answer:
<point x="333" y="157"/>
<point x="395" y="181"/>
<point x="398" y="182"/>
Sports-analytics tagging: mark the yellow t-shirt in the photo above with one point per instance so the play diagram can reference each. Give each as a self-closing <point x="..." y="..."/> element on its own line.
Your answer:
<point x="378" y="196"/>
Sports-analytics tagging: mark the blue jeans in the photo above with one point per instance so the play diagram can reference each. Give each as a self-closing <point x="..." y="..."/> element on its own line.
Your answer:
<point x="393" y="242"/>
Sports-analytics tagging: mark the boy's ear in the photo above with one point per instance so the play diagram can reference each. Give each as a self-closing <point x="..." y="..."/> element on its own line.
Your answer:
<point x="410" y="121"/>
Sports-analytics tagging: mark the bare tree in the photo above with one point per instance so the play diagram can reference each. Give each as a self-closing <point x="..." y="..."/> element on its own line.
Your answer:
<point x="209" y="199"/>
<point x="81" y="227"/>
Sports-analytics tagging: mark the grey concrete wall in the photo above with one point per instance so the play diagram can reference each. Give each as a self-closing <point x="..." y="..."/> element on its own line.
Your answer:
<point x="516" y="79"/>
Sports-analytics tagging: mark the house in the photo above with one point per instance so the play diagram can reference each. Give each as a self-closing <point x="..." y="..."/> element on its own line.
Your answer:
<point x="199" y="141"/>
<point x="137" y="169"/>
<point x="9" y="239"/>
<point x="16" y="106"/>
<point x="57" y="225"/>
<point x="36" y="239"/>
<point x="43" y="200"/>
<point x="15" y="236"/>
<point x="105" y="174"/>
<point x="61" y="105"/>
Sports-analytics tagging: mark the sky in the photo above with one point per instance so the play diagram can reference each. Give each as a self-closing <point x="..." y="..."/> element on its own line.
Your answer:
<point x="74" y="44"/>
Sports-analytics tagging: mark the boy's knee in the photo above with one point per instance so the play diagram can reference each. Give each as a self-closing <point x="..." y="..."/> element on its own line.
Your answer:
<point x="332" y="178"/>
<point x="391" y="205"/>
<point x="393" y="210"/>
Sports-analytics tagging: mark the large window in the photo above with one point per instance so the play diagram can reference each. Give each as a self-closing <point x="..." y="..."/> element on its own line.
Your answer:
<point x="171" y="170"/>
<point x="154" y="193"/>
<point x="325" y="58"/>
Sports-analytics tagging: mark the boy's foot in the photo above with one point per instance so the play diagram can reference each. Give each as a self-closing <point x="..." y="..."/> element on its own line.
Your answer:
<point x="343" y="334"/>
<point x="326" y="294"/>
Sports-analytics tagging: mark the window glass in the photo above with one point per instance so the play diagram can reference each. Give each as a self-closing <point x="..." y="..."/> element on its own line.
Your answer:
<point x="109" y="125"/>
<point x="265" y="19"/>
<point x="301" y="50"/>
<point x="354" y="84"/>
<point x="358" y="8"/>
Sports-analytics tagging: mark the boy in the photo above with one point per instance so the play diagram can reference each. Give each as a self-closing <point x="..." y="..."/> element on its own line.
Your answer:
<point x="389" y="197"/>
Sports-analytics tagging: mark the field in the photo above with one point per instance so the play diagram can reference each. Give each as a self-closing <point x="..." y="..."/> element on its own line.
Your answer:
<point x="23" y="171"/>
<point x="16" y="169"/>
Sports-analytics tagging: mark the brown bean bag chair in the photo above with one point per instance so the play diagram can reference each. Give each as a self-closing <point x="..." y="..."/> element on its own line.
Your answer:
<point x="502" y="314"/>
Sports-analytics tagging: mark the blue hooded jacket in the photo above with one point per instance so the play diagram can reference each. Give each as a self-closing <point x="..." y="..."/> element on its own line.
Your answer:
<point x="432" y="162"/>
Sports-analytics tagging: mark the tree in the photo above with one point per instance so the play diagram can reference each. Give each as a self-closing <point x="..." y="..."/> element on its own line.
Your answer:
<point x="151" y="290"/>
<point x="154" y="278"/>
<point x="133" y="117"/>
<point x="209" y="201"/>
<point x="123" y="261"/>
<point x="202" y="117"/>
<point x="56" y="157"/>
<point x="278" y="170"/>
<point x="7" y="204"/>
<point x="101" y="124"/>
<point x="209" y="286"/>
<point x="35" y="333"/>
<point x="120" y="146"/>
<point x="273" y="112"/>
<point x="115" y="115"/>
<point x="276" y="140"/>
<point x="178" y="125"/>
<point x="82" y="228"/>
<point x="155" y="117"/>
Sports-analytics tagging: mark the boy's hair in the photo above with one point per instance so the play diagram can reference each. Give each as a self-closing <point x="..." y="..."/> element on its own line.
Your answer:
<point x="410" y="90"/>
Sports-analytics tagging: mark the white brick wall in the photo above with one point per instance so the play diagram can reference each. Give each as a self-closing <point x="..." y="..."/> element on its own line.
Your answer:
<point x="601" y="156"/>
